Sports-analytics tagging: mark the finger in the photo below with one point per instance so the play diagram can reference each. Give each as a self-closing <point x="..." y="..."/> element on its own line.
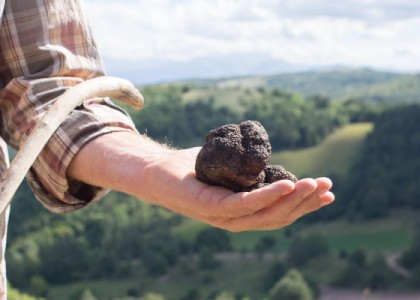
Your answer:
<point x="247" y="203"/>
<point x="327" y="198"/>
<point x="312" y="203"/>
<point x="273" y="216"/>
<point x="324" y="183"/>
<point x="304" y="188"/>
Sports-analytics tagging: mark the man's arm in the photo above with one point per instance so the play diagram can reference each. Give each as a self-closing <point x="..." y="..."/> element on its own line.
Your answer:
<point x="46" y="48"/>
<point x="138" y="166"/>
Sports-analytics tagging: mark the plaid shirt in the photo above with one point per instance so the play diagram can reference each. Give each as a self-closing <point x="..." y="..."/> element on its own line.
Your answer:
<point x="46" y="47"/>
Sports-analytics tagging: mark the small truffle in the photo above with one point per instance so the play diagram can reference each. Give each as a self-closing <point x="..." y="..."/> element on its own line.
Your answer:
<point x="275" y="173"/>
<point x="236" y="157"/>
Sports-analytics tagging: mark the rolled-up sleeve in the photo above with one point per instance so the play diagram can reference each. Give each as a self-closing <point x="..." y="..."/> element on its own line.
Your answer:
<point x="45" y="50"/>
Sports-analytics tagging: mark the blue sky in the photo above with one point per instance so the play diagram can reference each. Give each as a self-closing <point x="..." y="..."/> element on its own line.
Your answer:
<point x="382" y="34"/>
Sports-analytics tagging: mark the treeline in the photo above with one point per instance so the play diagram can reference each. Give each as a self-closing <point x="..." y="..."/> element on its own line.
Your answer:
<point x="290" y="120"/>
<point x="103" y="241"/>
<point x="385" y="177"/>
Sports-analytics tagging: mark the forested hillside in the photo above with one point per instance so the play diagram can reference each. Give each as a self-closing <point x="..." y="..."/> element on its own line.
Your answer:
<point x="121" y="248"/>
<point x="183" y="114"/>
<point x="387" y="173"/>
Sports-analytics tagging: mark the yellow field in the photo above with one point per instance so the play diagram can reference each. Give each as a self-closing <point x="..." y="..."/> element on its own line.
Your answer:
<point x="333" y="156"/>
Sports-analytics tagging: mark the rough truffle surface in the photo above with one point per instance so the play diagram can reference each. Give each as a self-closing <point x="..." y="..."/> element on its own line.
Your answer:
<point x="236" y="157"/>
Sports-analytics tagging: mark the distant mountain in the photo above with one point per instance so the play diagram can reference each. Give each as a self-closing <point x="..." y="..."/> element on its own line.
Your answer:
<point x="158" y="71"/>
<point x="336" y="83"/>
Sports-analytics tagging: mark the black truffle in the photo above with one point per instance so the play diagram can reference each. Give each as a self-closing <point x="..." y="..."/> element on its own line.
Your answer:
<point x="276" y="172"/>
<point x="236" y="157"/>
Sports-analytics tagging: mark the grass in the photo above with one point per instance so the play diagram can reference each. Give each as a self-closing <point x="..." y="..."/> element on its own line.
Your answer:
<point x="334" y="156"/>
<point x="231" y="97"/>
<point x="384" y="235"/>
<point x="371" y="241"/>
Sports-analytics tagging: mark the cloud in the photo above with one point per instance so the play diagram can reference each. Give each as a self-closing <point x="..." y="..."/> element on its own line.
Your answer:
<point x="367" y="10"/>
<point x="381" y="34"/>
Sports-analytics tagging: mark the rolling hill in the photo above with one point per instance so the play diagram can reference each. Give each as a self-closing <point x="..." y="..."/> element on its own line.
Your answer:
<point x="334" y="156"/>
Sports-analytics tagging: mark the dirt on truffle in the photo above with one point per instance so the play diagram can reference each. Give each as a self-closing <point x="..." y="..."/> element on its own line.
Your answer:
<point x="236" y="157"/>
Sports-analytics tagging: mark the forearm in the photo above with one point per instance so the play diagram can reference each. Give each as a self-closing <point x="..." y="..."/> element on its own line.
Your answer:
<point x="37" y="66"/>
<point x="117" y="161"/>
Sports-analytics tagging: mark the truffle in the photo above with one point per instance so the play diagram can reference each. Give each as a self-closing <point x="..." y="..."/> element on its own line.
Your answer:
<point x="236" y="157"/>
<point x="276" y="172"/>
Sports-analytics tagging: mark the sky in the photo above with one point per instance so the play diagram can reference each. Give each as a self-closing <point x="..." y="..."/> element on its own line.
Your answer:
<point x="380" y="34"/>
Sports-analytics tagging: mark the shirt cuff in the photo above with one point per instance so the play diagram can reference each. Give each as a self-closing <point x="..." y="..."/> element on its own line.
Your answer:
<point x="47" y="176"/>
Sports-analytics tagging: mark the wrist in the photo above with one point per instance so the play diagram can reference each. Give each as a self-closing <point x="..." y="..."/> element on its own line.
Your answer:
<point x="119" y="161"/>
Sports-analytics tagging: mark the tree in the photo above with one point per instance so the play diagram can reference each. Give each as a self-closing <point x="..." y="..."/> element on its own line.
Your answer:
<point x="411" y="258"/>
<point x="291" y="287"/>
<point x="225" y="296"/>
<point x="152" y="296"/>
<point x="380" y="276"/>
<point x="389" y="158"/>
<point x="13" y="294"/>
<point x="415" y="277"/>
<point x="358" y="258"/>
<point x="214" y="239"/>
<point x="207" y="260"/>
<point x="354" y="274"/>
<point x="230" y="296"/>
<point x="192" y="294"/>
<point x="303" y="249"/>
<point x="39" y="286"/>
<point x="87" y="295"/>
<point x="265" y="244"/>
<point x="276" y="271"/>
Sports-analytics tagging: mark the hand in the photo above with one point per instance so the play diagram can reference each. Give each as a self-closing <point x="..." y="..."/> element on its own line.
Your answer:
<point x="138" y="166"/>
<point x="271" y="207"/>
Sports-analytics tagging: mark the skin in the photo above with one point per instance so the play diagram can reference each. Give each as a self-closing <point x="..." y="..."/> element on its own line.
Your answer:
<point x="154" y="173"/>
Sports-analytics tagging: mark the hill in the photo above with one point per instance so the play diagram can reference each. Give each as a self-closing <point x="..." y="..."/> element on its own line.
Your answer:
<point x="334" y="156"/>
<point x="377" y="86"/>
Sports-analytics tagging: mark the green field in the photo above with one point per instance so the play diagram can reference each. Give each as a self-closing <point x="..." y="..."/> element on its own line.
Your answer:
<point x="333" y="156"/>
<point x="383" y="235"/>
